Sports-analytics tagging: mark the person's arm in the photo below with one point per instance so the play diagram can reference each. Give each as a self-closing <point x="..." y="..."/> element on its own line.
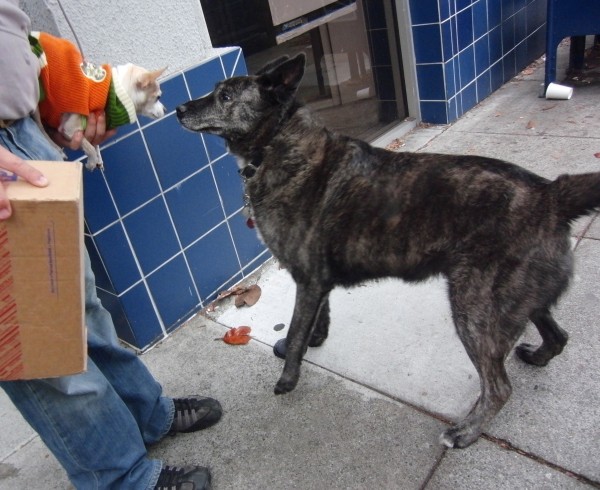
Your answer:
<point x="12" y="163"/>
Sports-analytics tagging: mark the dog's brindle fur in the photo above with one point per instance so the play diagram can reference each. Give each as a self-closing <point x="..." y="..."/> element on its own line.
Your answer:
<point x="337" y="211"/>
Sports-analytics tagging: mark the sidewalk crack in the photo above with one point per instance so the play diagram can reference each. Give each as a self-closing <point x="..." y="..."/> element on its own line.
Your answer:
<point x="504" y="444"/>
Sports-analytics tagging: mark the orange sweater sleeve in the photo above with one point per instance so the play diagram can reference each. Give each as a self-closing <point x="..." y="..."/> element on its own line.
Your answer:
<point x="68" y="86"/>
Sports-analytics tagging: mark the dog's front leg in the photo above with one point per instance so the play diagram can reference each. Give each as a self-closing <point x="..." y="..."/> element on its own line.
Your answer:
<point x="309" y="301"/>
<point x="93" y="154"/>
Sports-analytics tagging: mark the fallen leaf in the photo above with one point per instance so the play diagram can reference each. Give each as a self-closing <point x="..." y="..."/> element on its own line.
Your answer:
<point x="597" y="155"/>
<point x="249" y="296"/>
<point x="237" y="336"/>
<point x="395" y="144"/>
<point x="230" y="292"/>
<point x="531" y="125"/>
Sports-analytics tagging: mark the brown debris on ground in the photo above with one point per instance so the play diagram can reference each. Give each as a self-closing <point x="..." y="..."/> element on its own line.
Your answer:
<point x="244" y="296"/>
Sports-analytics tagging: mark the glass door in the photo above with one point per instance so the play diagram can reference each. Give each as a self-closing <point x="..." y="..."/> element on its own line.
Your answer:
<point x="351" y="78"/>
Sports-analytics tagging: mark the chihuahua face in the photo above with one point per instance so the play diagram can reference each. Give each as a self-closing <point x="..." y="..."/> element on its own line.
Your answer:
<point x="143" y="89"/>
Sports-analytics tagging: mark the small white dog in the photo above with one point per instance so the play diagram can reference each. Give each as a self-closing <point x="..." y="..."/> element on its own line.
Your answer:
<point x="71" y="89"/>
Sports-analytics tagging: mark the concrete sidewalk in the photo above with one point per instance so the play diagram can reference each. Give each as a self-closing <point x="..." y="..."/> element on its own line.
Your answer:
<point x="372" y="401"/>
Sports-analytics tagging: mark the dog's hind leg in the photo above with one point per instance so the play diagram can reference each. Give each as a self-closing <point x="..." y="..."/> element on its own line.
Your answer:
<point x="310" y="300"/>
<point x="554" y="340"/>
<point x="488" y="338"/>
<point x="495" y="391"/>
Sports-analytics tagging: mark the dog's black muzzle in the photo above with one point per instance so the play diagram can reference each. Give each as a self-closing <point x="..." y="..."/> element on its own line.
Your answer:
<point x="186" y="116"/>
<point x="190" y="113"/>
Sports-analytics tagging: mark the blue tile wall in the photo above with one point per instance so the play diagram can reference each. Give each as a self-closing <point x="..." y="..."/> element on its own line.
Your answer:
<point x="164" y="227"/>
<point x="466" y="49"/>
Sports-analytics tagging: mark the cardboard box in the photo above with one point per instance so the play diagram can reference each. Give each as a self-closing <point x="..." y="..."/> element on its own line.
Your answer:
<point x="42" y="328"/>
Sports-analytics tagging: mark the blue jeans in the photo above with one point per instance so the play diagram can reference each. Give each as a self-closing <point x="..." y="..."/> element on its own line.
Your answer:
<point x="97" y="423"/>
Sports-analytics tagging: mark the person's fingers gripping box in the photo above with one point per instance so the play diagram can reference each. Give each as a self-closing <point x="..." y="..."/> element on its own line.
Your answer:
<point x="42" y="328"/>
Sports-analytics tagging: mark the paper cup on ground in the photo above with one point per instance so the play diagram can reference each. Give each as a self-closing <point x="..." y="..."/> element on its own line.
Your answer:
<point x="557" y="91"/>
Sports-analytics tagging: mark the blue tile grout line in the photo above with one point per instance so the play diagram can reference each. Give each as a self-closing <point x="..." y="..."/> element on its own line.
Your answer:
<point x="237" y="59"/>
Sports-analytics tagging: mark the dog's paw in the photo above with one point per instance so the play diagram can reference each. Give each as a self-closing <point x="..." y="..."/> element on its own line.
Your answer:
<point x="94" y="162"/>
<point x="459" y="437"/>
<point x="282" y="387"/>
<point x="531" y="354"/>
<point x="94" y="166"/>
<point x="94" y="158"/>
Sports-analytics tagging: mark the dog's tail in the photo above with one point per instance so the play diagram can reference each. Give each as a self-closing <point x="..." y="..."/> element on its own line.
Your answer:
<point x="576" y="195"/>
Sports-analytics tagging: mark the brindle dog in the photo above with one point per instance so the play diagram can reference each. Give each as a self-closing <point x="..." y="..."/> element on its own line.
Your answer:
<point x="337" y="211"/>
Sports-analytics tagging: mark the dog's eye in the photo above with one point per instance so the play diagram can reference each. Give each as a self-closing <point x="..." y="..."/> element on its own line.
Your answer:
<point x="224" y="96"/>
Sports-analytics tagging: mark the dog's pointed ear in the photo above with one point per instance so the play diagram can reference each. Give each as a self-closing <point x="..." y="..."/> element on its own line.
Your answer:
<point x="157" y="73"/>
<point x="272" y="64"/>
<point x="148" y="78"/>
<point x="285" y="77"/>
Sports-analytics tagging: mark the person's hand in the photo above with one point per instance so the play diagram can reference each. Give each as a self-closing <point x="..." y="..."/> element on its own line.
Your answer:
<point x="14" y="164"/>
<point x="95" y="132"/>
